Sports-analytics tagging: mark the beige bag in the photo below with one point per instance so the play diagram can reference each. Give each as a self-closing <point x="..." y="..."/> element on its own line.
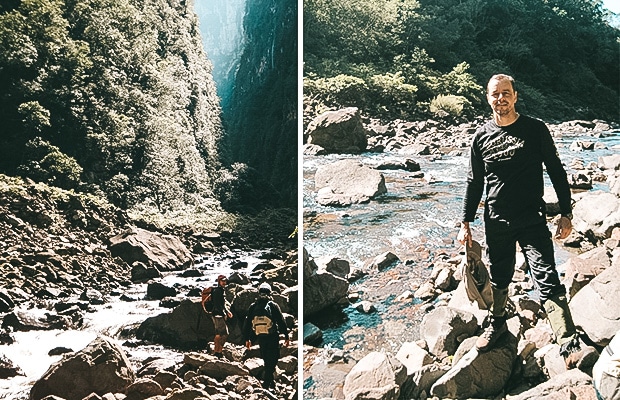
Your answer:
<point x="476" y="277"/>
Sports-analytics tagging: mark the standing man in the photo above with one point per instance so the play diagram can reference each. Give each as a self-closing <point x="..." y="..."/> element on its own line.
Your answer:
<point x="264" y="324"/>
<point x="221" y="311"/>
<point x="507" y="154"/>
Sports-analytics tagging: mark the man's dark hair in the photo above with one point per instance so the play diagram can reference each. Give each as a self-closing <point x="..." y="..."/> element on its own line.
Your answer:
<point x="503" y="77"/>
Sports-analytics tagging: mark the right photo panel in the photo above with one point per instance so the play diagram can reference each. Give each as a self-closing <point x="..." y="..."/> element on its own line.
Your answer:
<point x="461" y="199"/>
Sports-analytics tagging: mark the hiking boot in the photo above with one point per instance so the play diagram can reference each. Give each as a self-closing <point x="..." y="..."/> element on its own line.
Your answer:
<point x="496" y="329"/>
<point x="576" y="356"/>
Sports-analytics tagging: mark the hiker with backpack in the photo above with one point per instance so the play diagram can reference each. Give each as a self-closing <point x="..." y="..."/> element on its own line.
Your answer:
<point x="263" y="325"/>
<point x="214" y="303"/>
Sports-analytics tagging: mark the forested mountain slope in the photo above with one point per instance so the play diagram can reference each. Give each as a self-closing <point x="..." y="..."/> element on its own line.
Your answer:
<point x="109" y="96"/>
<point x="432" y="58"/>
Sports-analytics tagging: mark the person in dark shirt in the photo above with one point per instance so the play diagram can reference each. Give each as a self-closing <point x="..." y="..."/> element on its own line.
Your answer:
<point x="219" y="314"/>
<point x="263" y="324"/>
<point x="506" y="158"/>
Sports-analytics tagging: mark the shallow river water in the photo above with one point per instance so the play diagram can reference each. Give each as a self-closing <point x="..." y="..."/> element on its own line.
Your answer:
<point x="30" y="350"/>
<point x="418" y="221"/>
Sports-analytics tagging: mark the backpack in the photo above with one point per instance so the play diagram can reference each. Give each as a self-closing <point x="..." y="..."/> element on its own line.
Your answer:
<point x="207" y="299"/>
<point x="262" y="323"/>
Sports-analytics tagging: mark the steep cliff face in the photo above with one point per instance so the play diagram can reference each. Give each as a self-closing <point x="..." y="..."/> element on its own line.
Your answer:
<point x="221" y="27"/>
<point x="261" y="117"/>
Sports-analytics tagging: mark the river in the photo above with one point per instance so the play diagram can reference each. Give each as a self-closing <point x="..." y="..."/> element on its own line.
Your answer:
<point x="418" y="221"/>
<point x="30" y="349"/>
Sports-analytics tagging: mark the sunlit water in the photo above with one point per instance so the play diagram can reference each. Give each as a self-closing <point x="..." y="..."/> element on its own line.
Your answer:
<point x="30" y="350"/>
<point x="416" y="220"/>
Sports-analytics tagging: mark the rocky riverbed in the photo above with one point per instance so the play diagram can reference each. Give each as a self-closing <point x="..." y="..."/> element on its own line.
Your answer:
<point x="93" y="306"/>
<point x="396" y="251"/>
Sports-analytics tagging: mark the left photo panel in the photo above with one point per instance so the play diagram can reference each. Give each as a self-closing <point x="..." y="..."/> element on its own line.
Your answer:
<point x="149" y="199"/>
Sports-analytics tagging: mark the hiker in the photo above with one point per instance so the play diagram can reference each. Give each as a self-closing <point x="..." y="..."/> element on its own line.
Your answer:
<point x="264" y="324"/>
<point x="508" y="153"/>
<point x="220" y="313"/>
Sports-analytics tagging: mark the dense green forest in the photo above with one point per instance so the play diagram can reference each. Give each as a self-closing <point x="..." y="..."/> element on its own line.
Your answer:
<point x="109" y="96"/>
<point x="414" y="59"/>
<point x="117" y="98"/>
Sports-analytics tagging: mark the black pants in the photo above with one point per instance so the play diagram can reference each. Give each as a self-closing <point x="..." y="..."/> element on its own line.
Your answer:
<point x="537" y="247"/>
<point x="270" y="353"/>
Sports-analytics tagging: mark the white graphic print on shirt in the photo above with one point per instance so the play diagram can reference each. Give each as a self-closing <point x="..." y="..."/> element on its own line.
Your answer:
<point x="502" y="148"/>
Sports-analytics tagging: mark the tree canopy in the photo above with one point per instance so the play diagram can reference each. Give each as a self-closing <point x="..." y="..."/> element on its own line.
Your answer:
<point x="109" y="96"/>
<point x="427" y="58"/>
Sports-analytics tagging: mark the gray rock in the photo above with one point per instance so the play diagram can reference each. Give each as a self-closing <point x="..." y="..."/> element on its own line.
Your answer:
<point x="340" y="131"/>
<point x="8" y="369"/>
<point x="30" y="320"/>
<point x="413" y="357"/>
<point x="158" y="291"/>
<point x="321" y="288"/>
<point x="140" y="272"/>
<point x="365" y="307"/>
<point x="596" y="214"/>
<point x="165" y="252"/>
<point x="376" y="376"/>
<point x="595" y="307"/>
<point x="384" y="260"/>
<point x="101" y="367"/>
<point x="220" y="368"/>
<point x="312" y="334"/>
<point x="573" y="384"/>
<point x="443" y="327"/>
<point x="609" y="162"/>
<point x="479" y="374"/>
<point x="334" y="265"/>
<point x="143" y="388"/>
<point x="185" y="327"/>
<point x="348" y="182"/>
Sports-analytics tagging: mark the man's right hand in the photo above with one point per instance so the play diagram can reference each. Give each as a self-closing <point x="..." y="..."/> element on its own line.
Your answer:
<point x="464" y="235"/>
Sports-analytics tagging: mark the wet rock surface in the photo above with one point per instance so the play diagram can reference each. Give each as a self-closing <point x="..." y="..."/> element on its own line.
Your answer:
<point x="80" y="279"/>
<point x="426" y="279"/>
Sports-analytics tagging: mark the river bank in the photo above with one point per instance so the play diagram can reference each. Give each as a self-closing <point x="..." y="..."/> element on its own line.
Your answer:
<point x="417" y="220"/>
<point x="79" y="276"/>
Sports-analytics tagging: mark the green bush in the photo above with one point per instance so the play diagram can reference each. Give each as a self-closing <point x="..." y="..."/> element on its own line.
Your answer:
<point x="340" y="91"/>
<point x="391" y="96"/>
<point x="46" y="163"/>
<point x="450" y="106"/>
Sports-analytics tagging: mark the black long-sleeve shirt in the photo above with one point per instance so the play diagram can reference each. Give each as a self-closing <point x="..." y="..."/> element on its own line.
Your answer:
<point x="510" y="160"/>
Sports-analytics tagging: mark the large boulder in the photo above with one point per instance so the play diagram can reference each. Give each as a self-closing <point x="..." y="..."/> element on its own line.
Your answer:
<point x="101" y="367"/>
<point x="595" y="307"/>
<point x="444" y="327"/>
<point x="165" y="252"/>
<point x="609" y="162"/>
<point x="347" y="182"/>
<point x="376" y="376"/>
<point x="572" y="384"/>
<point x="321" y="288"/>
<point x="479" y="375"/>
<point x="581" y="269"/>
<point x="37" y="319"/>
<point x="596" y="214"/>
<point x="186" y="327"/>
<point x="339" y="131"/>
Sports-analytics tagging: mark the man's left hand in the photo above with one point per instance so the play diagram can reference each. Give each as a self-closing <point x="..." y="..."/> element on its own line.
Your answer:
<point x="565" y="226"/>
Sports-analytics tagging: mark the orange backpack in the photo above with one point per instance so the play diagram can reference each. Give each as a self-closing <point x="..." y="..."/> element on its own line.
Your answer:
<point x="207" y="300"/>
